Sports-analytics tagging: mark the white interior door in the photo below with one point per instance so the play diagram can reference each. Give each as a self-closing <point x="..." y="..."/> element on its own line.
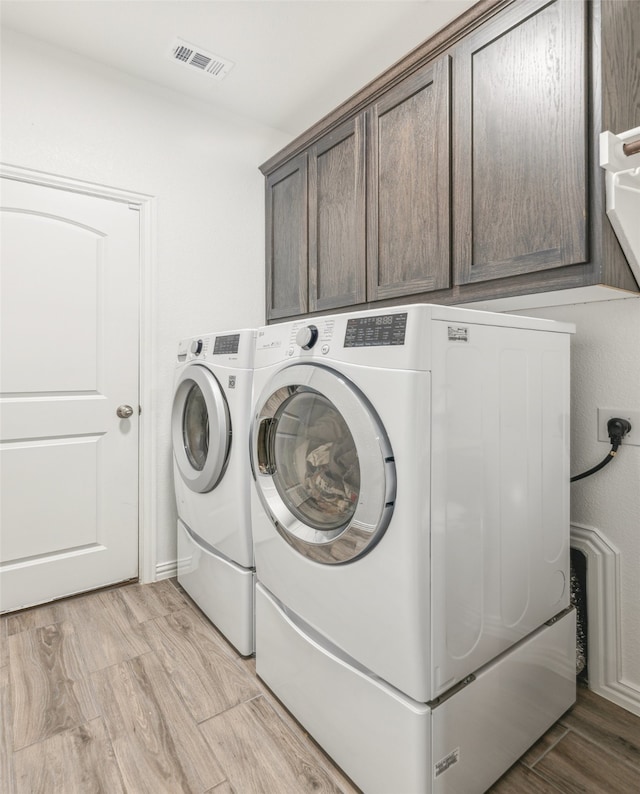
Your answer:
<point x="69" y="309"/>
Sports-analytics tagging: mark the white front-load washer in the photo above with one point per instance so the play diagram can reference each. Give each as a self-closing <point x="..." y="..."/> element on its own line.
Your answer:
<point x="411" y="532"/>
<point x="210" y="434"/>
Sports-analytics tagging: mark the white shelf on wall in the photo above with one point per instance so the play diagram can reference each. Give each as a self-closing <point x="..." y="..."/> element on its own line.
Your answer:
<point x="623" y="192"/>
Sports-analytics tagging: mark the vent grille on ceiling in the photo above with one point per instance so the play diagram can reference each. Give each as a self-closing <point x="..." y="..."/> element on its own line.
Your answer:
<point x="196" y="58"/>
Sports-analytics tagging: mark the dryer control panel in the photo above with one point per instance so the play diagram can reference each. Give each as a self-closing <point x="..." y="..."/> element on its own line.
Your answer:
<point x="226" y="345"/>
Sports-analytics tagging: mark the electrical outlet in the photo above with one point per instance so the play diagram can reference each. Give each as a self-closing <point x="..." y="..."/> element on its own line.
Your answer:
<point x="604" y="414"/>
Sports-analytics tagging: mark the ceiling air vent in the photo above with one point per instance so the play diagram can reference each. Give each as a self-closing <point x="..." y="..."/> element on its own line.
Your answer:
<point x="196" y="58"/>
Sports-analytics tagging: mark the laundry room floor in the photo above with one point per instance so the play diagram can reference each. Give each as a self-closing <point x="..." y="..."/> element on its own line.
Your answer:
<point x="131" y="689"/>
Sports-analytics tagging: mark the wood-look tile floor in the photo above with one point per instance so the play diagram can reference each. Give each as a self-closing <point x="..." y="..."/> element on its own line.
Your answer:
<point x="132" y="690"/>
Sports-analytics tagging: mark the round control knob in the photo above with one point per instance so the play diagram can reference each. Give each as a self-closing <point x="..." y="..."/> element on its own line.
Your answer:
<point x="196" y="347"/>
<point x="307" y="337"/>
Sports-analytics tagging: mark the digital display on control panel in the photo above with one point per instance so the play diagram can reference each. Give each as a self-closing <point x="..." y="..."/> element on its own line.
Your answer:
<point x="224" y="345"/>
<point x="385" y="329"/>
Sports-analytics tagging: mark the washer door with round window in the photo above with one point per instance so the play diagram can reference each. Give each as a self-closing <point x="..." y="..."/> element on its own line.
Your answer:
<point x="201" y="428"/>
<point x="323" y="465"/>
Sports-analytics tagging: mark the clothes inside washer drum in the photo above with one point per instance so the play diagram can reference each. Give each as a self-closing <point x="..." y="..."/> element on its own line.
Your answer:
<point x="195" y="428"/>
<point x="317" y="461"/>
<point x="333" y="478"/>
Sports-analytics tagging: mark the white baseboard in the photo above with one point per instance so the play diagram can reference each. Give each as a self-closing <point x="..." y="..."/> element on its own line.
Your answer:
<point x="603" y="618"/>
<point x="166" y="570"/>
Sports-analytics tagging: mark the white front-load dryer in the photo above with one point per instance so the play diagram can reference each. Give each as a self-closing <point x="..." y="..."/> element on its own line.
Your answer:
<point x="210" y="435"/>
<point x="411" y="533"/>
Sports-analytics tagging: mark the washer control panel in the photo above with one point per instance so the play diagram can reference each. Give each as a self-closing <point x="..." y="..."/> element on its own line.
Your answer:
<point x="338" y="336"/>
<point x="378" y="331"/>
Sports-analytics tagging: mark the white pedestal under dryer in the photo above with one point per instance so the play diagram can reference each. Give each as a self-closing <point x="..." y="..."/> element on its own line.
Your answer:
<point x="411" y="527"/>
<point x="210" y="434"/>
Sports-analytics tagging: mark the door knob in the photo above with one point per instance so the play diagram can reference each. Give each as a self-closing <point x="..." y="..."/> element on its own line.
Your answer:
<point x="124" y="411"/>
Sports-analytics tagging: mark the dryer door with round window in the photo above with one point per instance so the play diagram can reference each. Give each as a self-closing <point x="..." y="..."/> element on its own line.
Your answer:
<point x="323" y="465"/>
<point x="201" y="428"/>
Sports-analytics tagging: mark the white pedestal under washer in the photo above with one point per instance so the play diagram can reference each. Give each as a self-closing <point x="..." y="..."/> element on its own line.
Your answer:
<point x="411" y="531"/>
<point x="210" y="434"/>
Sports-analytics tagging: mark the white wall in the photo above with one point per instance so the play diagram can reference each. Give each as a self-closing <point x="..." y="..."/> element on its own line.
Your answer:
<point x="66" y="115"/>
<point x="605" y="373"/>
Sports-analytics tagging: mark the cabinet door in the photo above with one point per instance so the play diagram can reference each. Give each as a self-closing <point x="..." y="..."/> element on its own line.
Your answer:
<point x="286" y="234"/>
<point x="408" y="240"/>
<point x="337" y="230"/>
<point x="520" y="154"/>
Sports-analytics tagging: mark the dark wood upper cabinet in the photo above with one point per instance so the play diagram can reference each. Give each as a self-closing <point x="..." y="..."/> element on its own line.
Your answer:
<point x="337" y="226"/>
<point x="408" y="186"/>
<point x="468" y="172"/>
<point x="521" y="193"/>
<point x="286" y="233"/>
